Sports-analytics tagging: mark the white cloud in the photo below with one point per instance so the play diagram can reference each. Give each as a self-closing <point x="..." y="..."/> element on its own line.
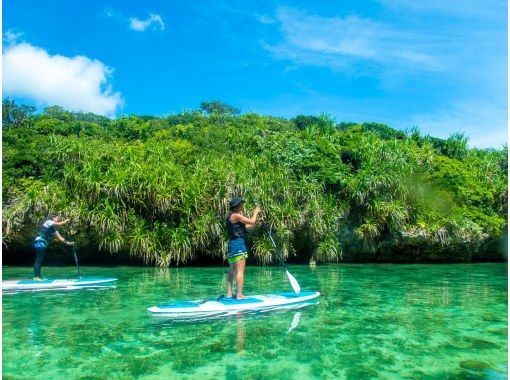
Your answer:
<point x="10" y="37"/>
<point x="77" y="83"/>
<point x="141" y="25"/>
<point x="484" y="122"/>
<point x="442" y="65"/>
<point x="337" y="42"/>
<point x="108" y="12"/>
<point x="263" y="19"/>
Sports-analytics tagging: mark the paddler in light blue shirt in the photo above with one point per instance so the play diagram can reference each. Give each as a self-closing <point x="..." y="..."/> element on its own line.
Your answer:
<point x="46" y="233"/>
<point x="237" y="226"/>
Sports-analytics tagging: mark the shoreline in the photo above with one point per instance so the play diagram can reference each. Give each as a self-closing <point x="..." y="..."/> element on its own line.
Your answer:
<point x="291" y="264"/>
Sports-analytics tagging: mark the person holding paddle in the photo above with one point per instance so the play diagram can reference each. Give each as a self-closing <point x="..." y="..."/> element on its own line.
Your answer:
<point x="237" y="226"/>
<point x="46" y="233"/>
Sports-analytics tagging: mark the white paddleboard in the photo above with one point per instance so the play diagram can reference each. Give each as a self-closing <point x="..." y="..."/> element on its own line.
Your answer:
<point x="49" y="284"/>
<point x="228" y="306"/>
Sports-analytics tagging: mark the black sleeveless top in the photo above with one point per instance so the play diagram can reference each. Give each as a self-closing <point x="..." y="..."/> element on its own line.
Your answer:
<point x="235" y="230"/>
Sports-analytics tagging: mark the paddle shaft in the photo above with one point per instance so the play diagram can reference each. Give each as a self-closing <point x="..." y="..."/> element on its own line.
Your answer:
<point x="292" y="280"/>
<point x="76" y="261"/>
<point x="268" y="231"/>
<point x="270" y="235"/>
<point x="75" y="258"/>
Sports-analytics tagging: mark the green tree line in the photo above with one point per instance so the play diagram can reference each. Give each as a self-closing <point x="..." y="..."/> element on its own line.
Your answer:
<point x="157" y="188"/>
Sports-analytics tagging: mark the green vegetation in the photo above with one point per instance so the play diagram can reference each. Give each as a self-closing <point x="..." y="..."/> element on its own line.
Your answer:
<point x="158" y="187"/>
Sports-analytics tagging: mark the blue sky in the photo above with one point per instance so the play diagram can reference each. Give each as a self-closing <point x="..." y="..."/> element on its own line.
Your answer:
<point x="436" y="65"/>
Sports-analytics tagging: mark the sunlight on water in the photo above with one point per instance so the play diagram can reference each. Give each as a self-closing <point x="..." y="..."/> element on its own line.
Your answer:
<point x="384" y="321"/>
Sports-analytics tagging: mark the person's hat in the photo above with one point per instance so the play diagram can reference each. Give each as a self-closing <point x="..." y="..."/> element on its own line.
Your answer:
<point x="236" y="201"/>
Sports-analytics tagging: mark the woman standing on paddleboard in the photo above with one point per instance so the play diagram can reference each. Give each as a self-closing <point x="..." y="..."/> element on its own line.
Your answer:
<point x="47" y="232"/>
<point x="237" y="226"/>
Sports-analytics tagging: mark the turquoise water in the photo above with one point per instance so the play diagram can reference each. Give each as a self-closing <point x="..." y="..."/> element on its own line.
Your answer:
<point x="372" y="321"/>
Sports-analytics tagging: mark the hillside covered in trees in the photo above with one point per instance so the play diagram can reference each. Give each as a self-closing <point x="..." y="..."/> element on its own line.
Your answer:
<point x="157" y="188"/>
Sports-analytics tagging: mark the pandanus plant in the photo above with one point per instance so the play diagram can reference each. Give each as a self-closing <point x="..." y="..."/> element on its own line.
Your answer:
<point x="158" y="188"/>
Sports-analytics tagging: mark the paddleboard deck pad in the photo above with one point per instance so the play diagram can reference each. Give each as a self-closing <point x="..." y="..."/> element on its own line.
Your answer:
<point x="53" y="284"/>
<point x="222" y="306"/>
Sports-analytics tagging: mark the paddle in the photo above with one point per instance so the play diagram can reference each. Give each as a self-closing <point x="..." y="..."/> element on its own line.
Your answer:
<point x="74" y="253"/>
<point x="291" y="278"/>
<point x="76" y="261"/>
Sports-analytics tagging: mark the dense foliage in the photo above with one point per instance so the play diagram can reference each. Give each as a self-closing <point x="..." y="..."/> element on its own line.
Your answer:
<point x="158" y="187"/>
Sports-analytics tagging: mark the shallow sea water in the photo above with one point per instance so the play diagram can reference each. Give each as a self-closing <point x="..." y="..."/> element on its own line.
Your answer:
<point x="371" y="321"/>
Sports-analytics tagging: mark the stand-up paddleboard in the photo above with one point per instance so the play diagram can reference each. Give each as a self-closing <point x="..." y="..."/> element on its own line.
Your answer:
<point x="210" y="308"/>
<point x="51" y="284"/>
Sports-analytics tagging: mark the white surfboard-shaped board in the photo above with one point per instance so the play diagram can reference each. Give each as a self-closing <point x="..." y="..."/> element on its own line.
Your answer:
<point x="229" y="306"/>
<point x="50" y="284"/>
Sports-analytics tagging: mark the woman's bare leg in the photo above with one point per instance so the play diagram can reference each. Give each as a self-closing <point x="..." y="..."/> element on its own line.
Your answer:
<point x="230" y="279"/>
<point x="240" y="278"/>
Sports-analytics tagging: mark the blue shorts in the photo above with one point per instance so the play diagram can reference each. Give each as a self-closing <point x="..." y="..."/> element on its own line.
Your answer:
<point x="40" y="244"/>
<point x="236" y="247"/>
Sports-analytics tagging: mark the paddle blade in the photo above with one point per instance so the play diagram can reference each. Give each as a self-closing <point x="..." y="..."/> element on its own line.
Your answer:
<point x="295" y="321"/>
<point x="293" y="282"/>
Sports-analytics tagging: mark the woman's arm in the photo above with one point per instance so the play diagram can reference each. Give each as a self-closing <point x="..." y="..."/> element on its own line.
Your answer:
<point x="243" y="219"/>
<point x="58" y="224"/>
<point x="59" y="237"/>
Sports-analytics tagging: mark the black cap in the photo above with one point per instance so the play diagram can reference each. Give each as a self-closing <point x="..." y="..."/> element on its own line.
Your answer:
<point x="236" y="201"/>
